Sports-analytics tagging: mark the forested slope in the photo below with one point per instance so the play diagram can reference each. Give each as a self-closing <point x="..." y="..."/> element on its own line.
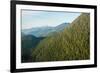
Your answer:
<point x="70" y="44"/>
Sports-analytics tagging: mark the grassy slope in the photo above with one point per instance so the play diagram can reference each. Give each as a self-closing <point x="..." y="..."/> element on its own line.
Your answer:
<point x="70" y="44"/>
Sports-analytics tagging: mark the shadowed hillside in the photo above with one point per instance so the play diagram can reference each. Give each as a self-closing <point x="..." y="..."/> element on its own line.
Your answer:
<point x="28" y="42"/>
<point x="70" y="44"/>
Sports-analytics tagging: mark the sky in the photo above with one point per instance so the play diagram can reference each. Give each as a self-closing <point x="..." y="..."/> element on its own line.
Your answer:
<point x="31" y="18"/>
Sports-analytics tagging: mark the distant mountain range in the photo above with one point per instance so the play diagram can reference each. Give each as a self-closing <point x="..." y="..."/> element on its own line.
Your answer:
<point x="44" y="31"/>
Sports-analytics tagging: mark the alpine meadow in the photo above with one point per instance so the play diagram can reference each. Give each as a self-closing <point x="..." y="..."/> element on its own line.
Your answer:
<point x="64" y="42"/>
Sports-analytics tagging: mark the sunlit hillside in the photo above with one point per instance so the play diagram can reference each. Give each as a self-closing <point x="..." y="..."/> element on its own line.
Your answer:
<point x="70" y="44"/>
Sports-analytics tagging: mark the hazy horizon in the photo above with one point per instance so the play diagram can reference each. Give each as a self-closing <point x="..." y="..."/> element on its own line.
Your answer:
<point x="32" y="19"/>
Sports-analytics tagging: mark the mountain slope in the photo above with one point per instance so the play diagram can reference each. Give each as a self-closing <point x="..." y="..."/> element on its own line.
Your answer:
<point x="70" y="44"/>
<point x="61" y="26"/>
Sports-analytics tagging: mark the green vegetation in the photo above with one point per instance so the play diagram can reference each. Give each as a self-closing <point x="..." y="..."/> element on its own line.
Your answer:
<point x="70" y="44"/>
